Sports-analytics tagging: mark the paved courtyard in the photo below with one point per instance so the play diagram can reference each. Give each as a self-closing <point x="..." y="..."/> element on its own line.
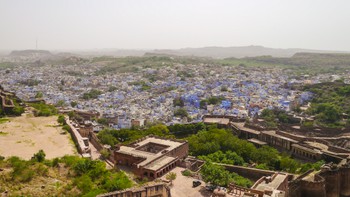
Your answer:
<point x="182" y="186"/>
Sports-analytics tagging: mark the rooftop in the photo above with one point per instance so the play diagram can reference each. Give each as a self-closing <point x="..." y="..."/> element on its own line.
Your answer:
<point x="272" y="185"/>
<point x="256" y="141"/>
<point x="273" y="133"/>
<point x="240" y="125"/>
<point x="152" y="160"/>
<point x="224" y="121"/>
<point x="158" y="163"/>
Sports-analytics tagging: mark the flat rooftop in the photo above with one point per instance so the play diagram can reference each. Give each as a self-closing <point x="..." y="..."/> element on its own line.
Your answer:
<point x="273" y="185"/>
<point x="240" y="126"/>
<point x="311" y="150"/>
<point x="224" y="121"/>
<point x="157" y="164"/>
<point x="317" y="145"/>
<point x="273" y="133"/>
<point x="152" y="160"/>
<point x="256" y="141"/>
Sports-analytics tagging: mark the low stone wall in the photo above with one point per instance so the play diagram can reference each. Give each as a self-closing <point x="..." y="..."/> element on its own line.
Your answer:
<point x="254" y="127"/>
<point x="95" y="141"/>
<point x="250" y="173"/>
<point x="77" y="138"/>
<point x="232" y="118"/>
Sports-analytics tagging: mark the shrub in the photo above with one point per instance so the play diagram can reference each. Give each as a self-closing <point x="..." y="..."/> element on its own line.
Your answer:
<point x="105" y="154"/>
<point x="186" y="173"/>
<point x="66" y="128"/>
<point x="43" y="109"/>
<point x="39" y="156"/>
<point x="61" y="120"/>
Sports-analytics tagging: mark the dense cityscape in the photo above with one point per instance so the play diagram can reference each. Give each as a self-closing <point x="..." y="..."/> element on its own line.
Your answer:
<point x="155" y="94"/>
<point x="164" y="98"/>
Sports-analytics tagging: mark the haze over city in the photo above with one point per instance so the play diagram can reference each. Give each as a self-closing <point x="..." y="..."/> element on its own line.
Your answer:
<point x="159" y="24"/>
<point x="181" y="98"/>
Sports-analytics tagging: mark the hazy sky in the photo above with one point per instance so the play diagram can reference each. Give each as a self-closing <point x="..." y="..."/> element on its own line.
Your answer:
<point x="149" y="24"/>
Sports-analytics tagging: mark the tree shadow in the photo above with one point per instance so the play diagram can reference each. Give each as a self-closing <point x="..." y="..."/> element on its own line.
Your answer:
<point x="204" y="192"/>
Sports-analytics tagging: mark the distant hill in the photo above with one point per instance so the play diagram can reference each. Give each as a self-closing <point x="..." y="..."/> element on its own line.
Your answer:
<point x="30" y="53"/>
<point x="212" y="52"/>
<point x="237" y="52"/>
<point x="308" y="59"/>
<point x="111" y="52"/>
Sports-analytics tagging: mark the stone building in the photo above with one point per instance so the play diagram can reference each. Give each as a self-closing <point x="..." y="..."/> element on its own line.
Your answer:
<point x="303" y="147"/>
<point x="331" y="181"/>
<point x="6" y="101"/>
<point x="149" y="190"/>
<point x="151" y="157"/>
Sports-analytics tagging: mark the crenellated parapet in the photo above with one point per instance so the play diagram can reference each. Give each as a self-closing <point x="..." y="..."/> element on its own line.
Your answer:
<point x="333" y="180"/>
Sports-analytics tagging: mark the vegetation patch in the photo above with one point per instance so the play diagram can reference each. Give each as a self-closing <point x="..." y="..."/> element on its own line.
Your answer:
<point x="92" y="94"/>
<point x="42" y="109"/>
<point x="331" y="101"/>
<point x="221" y="146"/>
<point x="3" y="120"/>
<point x="66" y="176"/>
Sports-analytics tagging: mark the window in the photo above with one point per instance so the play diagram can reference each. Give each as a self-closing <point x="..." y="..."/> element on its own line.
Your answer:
<point x="138" y="194"/>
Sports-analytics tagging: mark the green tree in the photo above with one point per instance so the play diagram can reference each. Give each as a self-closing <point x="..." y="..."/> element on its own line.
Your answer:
<point x="217" y="175"/>
<point x="159" y="130"/>
<point x="17" y="110"/>
<point x="73" y="103"/>
<point x="39" y="95"/>
<point x="102" y="121"/>
<point x="84" y="183"/>
<point x="171" y="176"/>
<point x="105" y="154"/>
<point x="288" y="164"/>
<point x="223" y="88"/>
<point x="178" y="102"/>
<point x="203" y="104"/>
<point x="61" y="120"/>
<point x="116" y="181"/>
<point x="92" y="94"/>
<point x="112" y="88"/>
<point x="181" y="112"/>
<point x="39" y="156"/>
<point x="215" y="100"/>
<point x="60" y="103"/>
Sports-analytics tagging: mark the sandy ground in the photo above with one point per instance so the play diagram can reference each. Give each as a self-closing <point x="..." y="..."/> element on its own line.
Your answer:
<point x="23" y="136"/>
<point x="182" y="186"/>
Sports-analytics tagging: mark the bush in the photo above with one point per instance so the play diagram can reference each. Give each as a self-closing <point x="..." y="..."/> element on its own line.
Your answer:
<point x="21" y="169"/>
<point x="39" y="156"/>
<point x="66" y="128"/>
<point x="116" y="181"/>
<point x="105" y="154"/>
<point x="18" y="110"/>
<point x="181" y="112"/>
<point x="84" y="183"/>
<point x="43" y="109"/>
<point x="186" y="173"/>
<point x="92" y="94"/>
<point x="217" y="175"/>
<point x="61" y="120"/>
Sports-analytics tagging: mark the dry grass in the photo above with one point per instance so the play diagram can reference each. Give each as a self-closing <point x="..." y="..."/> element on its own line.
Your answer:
<point x="54" y="183"/>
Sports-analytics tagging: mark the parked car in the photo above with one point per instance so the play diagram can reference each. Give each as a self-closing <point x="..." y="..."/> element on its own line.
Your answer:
<point x="196" y="183"/>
